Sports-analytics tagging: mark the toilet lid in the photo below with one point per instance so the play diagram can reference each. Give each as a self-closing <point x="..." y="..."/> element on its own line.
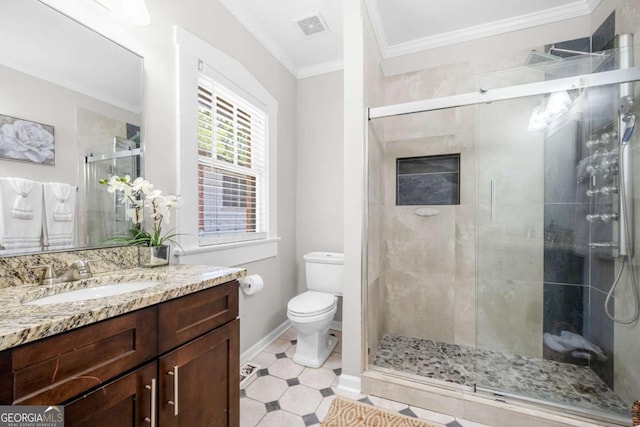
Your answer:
<point x="311" y="303"/>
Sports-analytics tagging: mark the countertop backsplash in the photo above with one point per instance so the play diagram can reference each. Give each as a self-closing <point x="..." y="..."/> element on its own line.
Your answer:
<point x="16" y="271"/>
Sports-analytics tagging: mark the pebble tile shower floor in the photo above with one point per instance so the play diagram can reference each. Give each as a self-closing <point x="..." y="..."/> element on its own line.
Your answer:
<point x="283" y="394"/>
<point x="534" y="378"/>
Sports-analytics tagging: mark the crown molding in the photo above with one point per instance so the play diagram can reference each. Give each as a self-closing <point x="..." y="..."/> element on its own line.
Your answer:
<point x="260" y="33"/>
<point x="375" y="20"/>
<point x="324" y="68"/>
<point x="593" y="4"/>
<point x="547" y="16"/>
<point x="572" y="10"/>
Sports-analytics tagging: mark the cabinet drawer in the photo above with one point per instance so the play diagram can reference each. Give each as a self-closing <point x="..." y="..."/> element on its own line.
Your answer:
<point x="188" y="317"/>
<point x="55" y="369"/>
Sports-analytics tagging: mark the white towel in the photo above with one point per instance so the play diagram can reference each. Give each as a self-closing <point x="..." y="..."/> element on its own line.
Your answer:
<point x="20" y="215"/>
<point x="59" y="215"/>
<point x="22" y="207"/>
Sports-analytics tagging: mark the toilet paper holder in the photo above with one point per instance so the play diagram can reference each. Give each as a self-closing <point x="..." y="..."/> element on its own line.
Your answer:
<point x="251" y="284"/>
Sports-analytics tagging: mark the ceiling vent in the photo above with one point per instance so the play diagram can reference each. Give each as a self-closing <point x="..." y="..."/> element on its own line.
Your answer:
<point x="312" y="25"/>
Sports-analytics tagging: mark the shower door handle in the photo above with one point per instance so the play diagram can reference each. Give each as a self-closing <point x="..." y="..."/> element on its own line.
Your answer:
<point x="493" y="200"/>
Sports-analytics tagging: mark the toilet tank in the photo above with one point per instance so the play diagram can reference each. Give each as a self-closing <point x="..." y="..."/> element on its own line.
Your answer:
<point x="324" y="271"/>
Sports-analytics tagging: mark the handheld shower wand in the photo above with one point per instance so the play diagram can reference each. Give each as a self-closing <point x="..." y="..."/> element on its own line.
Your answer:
<point x="627" y="122"/>
<point x="630" y="120"/>
<point x="628" y="130"/>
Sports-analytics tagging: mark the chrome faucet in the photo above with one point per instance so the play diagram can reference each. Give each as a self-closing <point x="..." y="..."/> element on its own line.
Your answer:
<point x="78" y="270"/>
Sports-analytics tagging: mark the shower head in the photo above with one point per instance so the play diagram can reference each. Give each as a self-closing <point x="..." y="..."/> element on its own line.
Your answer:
<point x="575" y="52"/>
<point x="536" y="57"/>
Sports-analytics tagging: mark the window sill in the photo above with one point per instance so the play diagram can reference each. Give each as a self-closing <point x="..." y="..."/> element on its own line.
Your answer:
<point x="229" y="254"/>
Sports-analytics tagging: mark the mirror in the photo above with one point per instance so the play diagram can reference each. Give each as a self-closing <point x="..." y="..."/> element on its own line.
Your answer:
<point x="70" y="111"/>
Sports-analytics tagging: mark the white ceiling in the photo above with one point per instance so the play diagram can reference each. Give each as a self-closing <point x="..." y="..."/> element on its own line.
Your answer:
<point x="401" y="26"/>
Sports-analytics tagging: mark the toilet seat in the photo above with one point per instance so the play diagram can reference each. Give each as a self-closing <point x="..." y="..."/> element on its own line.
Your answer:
<point x="311" y="303"/>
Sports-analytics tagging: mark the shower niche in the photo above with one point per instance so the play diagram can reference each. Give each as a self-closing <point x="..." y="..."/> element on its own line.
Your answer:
<point x="428" y="180"/>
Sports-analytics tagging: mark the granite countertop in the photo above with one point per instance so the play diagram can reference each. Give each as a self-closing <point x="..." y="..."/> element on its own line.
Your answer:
<point x="20" y="323"/>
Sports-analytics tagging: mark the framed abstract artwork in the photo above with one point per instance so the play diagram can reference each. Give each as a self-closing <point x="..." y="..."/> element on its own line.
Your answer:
<point x="26" y="141"/>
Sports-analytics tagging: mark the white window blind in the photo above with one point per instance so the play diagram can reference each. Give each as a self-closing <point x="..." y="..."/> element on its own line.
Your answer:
<point x="232" y="146"/>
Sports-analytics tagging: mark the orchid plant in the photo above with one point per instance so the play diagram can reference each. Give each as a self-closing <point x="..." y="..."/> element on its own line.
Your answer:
<point x="138" y="194"/>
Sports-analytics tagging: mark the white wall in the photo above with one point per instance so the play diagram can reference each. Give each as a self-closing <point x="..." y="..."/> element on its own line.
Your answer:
<point x="319" y="175"/>
<point x="354" y="166"/>
<point x="209" y="20"/>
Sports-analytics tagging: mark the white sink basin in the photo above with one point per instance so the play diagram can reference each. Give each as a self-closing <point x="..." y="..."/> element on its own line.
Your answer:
<point x="96" y="292"/>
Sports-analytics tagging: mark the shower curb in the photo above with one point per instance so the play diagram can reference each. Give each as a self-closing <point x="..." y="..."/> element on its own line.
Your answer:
<point x="458" y="402"/>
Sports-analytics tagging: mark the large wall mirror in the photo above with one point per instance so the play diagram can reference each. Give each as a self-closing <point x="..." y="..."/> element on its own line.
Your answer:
<point x="70" y="115"/>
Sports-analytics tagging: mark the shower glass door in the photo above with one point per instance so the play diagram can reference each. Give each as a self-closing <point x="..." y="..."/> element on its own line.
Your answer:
<point x="106" y="216"/>
<point x="548" y="180"/>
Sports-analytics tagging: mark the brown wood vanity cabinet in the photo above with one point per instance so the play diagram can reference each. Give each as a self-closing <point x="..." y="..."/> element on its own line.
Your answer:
<point x="174" y="364"/>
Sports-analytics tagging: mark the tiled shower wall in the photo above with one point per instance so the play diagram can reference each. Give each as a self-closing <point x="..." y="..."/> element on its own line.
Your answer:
<point x="429" y="262"/>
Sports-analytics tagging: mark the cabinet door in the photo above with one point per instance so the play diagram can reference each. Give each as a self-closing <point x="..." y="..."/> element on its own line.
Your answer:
<point x="199" y="382"/>
<point x="128" y="401"/>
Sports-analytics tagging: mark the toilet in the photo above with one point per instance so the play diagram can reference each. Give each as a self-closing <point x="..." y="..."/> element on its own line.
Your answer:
<point x="311" y="312"/>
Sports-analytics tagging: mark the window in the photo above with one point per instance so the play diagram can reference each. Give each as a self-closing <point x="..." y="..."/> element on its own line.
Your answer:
<point x="231" y="165"/>
<point x="227" y="158"/>
<point x="428" y="180"/>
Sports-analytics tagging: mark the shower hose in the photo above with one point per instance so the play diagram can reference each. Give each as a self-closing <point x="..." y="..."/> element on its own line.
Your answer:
<point x="626" y="260"/>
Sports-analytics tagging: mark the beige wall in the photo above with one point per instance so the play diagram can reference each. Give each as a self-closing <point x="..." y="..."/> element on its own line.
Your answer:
<point x="319" y="175"/>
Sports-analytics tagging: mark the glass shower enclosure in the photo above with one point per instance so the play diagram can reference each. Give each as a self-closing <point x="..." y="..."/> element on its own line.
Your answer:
<point x="106" y="216"/>
<point x="521" y="284"/>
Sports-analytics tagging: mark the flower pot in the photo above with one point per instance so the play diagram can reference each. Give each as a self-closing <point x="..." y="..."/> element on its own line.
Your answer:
<point x="153" y="256"/>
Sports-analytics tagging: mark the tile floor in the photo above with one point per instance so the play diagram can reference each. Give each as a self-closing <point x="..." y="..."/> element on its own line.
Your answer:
<point x="577" y="386"/>
<point x="283" y="394"/>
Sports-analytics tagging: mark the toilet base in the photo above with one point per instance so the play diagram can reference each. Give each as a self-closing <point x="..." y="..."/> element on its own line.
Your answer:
<point x="313" y="351"/>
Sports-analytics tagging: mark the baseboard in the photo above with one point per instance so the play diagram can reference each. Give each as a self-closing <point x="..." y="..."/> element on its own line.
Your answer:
<point x="349" y="383"/>
<point x="336" y="325"/>
<point x="264" y="342"/>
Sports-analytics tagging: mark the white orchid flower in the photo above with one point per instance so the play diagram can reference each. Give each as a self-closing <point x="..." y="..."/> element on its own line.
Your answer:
<point x="137" y="195"/>
<point x="142" y="185"/>
<point x="114" y="184"/>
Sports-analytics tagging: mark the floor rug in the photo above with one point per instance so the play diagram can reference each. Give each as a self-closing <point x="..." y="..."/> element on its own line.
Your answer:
<point x="349" y="413"/>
